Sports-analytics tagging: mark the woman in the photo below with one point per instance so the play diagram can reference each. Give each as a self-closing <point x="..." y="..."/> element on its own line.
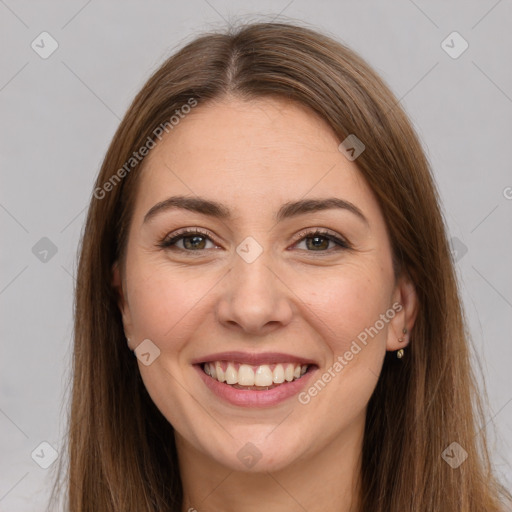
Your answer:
<point x="267" y="315"/>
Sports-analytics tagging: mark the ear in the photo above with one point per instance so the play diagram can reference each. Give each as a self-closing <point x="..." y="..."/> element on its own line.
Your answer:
<point x="405" y="304"/>
<point x="117" y="284"/>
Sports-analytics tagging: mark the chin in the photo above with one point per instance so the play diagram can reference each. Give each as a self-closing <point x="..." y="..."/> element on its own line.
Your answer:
<point x="255" y="454"/>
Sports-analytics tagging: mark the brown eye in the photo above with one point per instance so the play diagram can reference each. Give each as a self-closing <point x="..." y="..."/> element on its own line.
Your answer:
<point x="193" y="240"/>
<point x="318" y="241"/>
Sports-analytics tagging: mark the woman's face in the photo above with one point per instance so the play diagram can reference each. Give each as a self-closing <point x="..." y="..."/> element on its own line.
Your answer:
<point x="255" y="292"/>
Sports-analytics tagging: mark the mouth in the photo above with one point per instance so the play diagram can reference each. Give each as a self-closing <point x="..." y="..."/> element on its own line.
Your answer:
<point x="254" y="380"/>
<point x="250" y="377"/>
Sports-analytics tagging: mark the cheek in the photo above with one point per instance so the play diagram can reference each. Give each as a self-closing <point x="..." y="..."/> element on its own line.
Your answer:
<point x="164" y="303"/>
<point x="166" y="307"/>
<point x="347" y="319"/>
<point x="347" y="303"/>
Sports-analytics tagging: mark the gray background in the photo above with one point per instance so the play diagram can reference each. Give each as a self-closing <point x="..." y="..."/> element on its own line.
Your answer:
<point x="59" y="114"/>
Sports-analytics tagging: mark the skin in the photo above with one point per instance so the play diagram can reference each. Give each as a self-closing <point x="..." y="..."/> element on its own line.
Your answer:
<point x="253" y="156"/>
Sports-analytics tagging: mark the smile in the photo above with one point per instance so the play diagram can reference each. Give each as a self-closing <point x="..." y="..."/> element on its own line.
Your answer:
<point x="254" y="377"/>
<point x="254" y="380"/>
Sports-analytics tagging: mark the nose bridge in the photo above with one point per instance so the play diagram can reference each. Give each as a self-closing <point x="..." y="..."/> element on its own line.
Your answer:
<point x="252" y="269"/>
<point x="254" y="296"/>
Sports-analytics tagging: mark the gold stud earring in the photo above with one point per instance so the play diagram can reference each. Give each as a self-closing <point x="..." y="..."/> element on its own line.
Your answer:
<point x="400" y="353"/>
<point x="404" y="330"/>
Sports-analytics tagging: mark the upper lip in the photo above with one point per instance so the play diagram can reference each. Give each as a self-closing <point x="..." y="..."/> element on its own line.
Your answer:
<point x="254" y="359"/>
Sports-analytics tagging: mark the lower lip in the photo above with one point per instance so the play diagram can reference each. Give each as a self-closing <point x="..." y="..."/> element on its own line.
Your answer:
<point x="254" y="398"/>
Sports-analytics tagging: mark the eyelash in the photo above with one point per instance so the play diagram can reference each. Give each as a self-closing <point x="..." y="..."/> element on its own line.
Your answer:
<point x="167" y="243"/>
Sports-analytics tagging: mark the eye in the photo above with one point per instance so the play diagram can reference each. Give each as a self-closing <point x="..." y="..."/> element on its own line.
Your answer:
<point x="318" y="240"/>
<point x="193" y="240"/>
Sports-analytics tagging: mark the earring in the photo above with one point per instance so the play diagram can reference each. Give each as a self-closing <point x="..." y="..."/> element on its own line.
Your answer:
<point x="400" y="353"/>
<point x="404" y="330"/>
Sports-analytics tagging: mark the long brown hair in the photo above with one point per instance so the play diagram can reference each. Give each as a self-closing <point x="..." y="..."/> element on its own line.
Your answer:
<point x="122" y="455"/>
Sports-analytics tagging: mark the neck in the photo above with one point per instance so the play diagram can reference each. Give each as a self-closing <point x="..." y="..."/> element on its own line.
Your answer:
<point x="325" y="481"/>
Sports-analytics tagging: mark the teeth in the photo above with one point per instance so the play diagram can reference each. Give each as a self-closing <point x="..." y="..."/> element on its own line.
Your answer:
<point x="263" y="376"/>
<point x="246" y="375"/>
<point x="288" y="373"/>
<point x="220" y="372"/>
<point x="231" y="374"/>
<point x="278" y="374"/>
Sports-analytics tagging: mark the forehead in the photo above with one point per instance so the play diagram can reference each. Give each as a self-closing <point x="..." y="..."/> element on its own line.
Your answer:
<point x="250" y="154"/>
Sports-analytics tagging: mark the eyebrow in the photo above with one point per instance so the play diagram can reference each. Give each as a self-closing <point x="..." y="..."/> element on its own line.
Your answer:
<point x="220" y="211"/>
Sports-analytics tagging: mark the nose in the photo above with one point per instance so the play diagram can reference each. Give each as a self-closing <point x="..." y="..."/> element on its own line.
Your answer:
<point x="254" y="297"/>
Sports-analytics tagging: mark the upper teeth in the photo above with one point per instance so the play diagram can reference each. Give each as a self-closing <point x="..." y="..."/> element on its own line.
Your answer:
<point x="247" y="375"/>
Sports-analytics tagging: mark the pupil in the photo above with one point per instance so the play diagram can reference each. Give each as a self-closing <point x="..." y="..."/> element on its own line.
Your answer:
<point x="192" y="240"/>
<point x="315" y="241"/>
